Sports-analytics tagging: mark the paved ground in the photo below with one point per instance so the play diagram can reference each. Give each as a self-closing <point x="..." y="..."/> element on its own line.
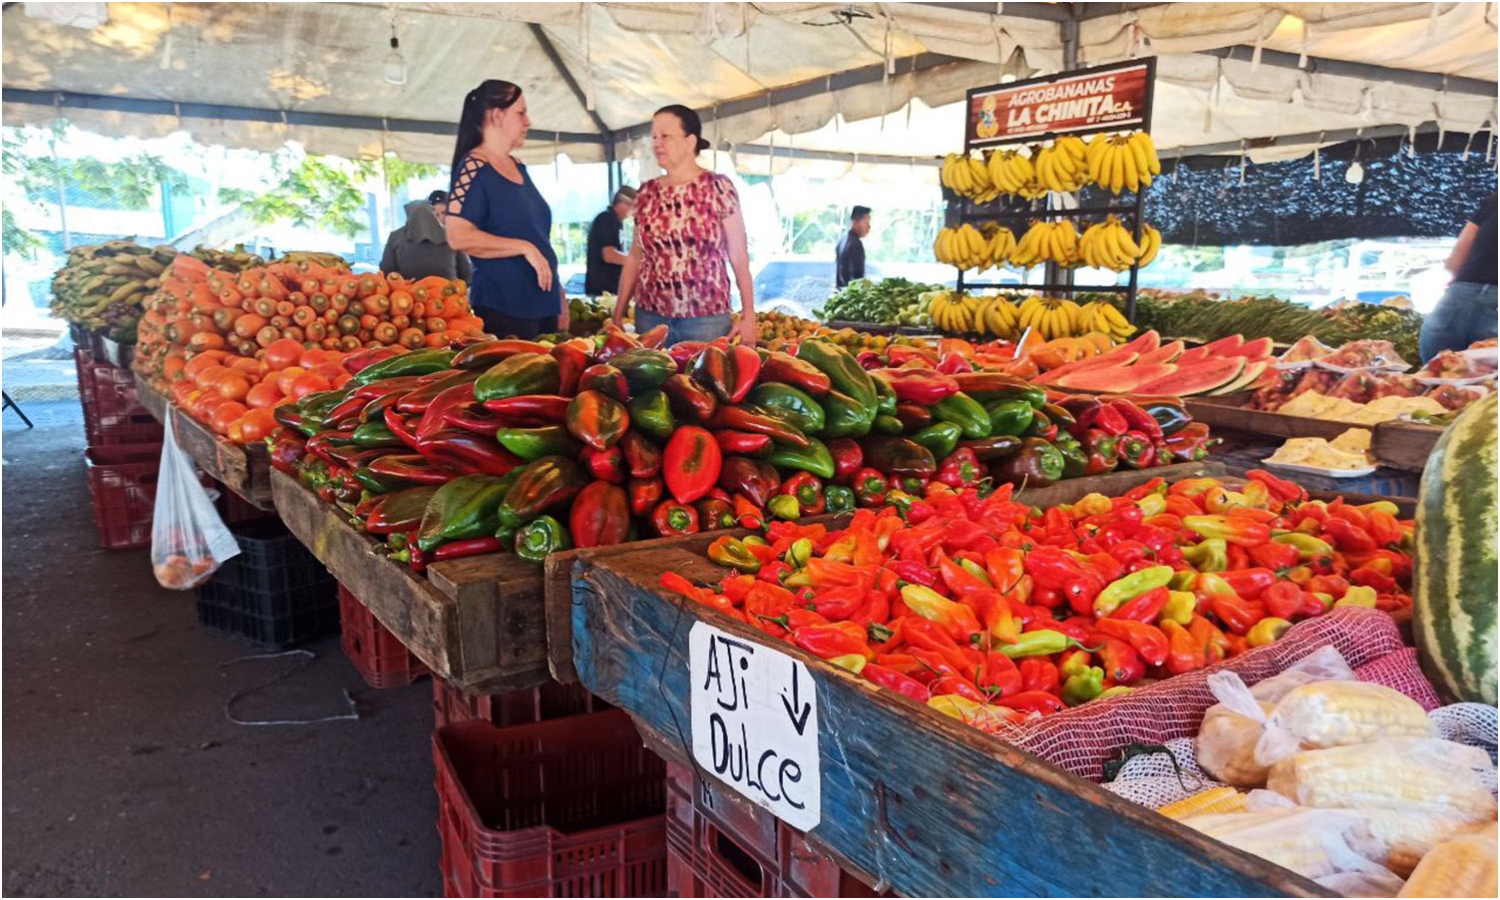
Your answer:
<point x="122" y="774"/>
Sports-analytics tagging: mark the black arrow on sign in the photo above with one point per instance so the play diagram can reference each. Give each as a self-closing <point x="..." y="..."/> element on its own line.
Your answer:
<point x="799" y="719"/>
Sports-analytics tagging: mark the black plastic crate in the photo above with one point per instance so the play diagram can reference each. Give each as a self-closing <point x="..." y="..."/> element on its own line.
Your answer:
<point x="273" y="594"/>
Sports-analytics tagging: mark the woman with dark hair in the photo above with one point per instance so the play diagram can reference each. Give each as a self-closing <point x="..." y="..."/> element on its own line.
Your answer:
<point x="497" y="216"/>
<point x="688" y="230"/>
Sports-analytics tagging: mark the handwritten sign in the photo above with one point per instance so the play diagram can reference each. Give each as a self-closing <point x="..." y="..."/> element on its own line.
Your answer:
<point x="755" y="723"/>
<point x="1103" y="98"/>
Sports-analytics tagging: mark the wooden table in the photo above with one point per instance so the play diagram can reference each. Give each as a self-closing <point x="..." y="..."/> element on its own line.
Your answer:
<point x="478" y="623"/>
<point x="911" y="799"/>
<point x="1396" y="444"/>
<point x="242" y="468"/>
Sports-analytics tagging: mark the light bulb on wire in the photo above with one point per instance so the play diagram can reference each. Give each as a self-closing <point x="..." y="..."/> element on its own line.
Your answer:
<point x="395" y="64"/>
<point x="1355" y="174"/>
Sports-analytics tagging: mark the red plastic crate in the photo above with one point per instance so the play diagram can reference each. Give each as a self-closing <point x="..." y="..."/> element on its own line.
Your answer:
<point x="567" y="808"/>
<point x="450" y="705"/>
<point x="379" y="656"/>
<point x="721" y="845"/>
<point x="122" y="485"/>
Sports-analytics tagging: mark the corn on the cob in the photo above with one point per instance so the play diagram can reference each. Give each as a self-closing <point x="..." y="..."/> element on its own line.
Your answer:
<point x="1461" y="867"/>
<point x="1338" y="713"/>
<point x="1226" y="746"/>
<point x="1303" y="840"/>
<point x="1213" y="800"/>
<point x="1396" y="773"/>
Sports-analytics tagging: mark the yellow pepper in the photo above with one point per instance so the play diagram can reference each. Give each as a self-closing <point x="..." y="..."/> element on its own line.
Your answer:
<point x="1091" y="505"/>
<point x="1308" y="547"/>
<point x="1384" y="506"/>
<point x="1267" y="631"/>
<point x="1358" y="595"/>
<point x="854" y="662"/>
<point x="1152" y="505"/>
<point x="1180" y="607"/>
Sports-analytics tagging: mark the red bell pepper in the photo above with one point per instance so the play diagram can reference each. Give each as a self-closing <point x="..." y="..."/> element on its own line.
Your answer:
<point x="1136" y="450"/>
<point x="645" y="494"/>
<point x="605" y="465"/>
<point x="468" y="453"/>
<point x="922" y="386"/>
<point x="1282" y="600"/>
<point x="572" y="360"/>
<point x="890" y="679"/>
<point x="870" y="487"/>
<point x="600" y="515"/>
<point x="691" y="463"/>
<point x="747" y="366"/>
<point x="848" y="459"/>
<point x="672" y="518"/>
<point x="960" y="469"/>
<point x="807" y="490"/>
<point x="1138" y="420"/>
<point x="742" y="443"/>
<point x="1238" y="614"/>
<point x="642" y="458"/>
<point x="1038" y="675"/>
<point x="1103" y="418"/>
<point x="739" y="419"/>
<point x="548" y="409"/>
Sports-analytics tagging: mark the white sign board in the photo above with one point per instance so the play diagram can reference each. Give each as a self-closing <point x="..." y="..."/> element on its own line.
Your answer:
<point x="755" y="723"/>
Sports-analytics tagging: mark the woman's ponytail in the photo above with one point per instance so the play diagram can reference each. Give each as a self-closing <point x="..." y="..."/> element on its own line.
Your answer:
<point x="491" y="94"/>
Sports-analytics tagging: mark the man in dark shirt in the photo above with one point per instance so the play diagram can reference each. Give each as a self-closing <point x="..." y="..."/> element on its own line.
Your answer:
<point x="850" y="263"/>
<point x="1468" y="310"/>
<point x="606" y="255"/>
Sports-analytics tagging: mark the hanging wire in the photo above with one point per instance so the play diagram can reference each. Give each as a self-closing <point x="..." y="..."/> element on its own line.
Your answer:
<point x="1243" y="145"/>
<point x="1306" y="38"/>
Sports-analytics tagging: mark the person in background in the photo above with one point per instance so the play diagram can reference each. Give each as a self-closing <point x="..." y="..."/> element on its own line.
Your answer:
<point x="1468" y="310"/>
<point x="850" y="261"/>
<point x="498" y="217"/>
<point x="605" y="258"/>
<point x="688" y="231"/>
<point x="420" y="248"/>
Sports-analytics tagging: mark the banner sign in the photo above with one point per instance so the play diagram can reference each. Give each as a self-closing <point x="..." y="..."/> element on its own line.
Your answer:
<point x="1105" y="98"/>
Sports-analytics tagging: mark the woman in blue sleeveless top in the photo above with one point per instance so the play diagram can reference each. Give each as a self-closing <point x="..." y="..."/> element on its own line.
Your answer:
<point x="497" y="216"/>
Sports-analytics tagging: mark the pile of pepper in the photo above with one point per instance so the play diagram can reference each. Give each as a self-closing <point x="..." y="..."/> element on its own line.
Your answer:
<point x="478" y="446"/>
<point x="991" y="610"/>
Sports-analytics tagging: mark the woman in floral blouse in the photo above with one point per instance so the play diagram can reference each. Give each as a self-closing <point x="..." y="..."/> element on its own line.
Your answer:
<point x="688" y="230"/>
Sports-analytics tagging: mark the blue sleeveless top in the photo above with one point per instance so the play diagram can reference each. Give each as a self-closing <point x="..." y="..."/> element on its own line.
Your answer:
<point x="500" y="207"/>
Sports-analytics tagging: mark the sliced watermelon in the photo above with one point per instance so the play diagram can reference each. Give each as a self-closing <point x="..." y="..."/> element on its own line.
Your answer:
<point x="1116" y="357"/>
<point x="1145" y="342"/>
<point x="1221" y="347"/>
<point x="1253" y="371"/>
<point x="1260" y="348"/>
<point x="1164" y="354"/>
<point x="1198" y="378"/>
<point x="1115" y="379"/>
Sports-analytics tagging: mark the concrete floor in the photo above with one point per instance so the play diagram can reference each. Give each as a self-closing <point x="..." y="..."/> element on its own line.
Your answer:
<point x="122" y="774"/>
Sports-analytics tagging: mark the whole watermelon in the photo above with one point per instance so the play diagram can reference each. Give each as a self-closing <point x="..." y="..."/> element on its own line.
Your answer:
<point x="1454" y="590"/>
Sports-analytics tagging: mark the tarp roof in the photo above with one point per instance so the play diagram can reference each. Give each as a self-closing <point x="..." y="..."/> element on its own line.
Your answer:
<point x="817" y="76"/>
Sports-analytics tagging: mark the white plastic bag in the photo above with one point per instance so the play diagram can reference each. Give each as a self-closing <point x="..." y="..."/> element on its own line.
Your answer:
<point x="188" y="539"/>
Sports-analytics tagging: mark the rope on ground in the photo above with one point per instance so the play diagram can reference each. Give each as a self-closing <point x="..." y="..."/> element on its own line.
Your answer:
<point x="307" y="656"/>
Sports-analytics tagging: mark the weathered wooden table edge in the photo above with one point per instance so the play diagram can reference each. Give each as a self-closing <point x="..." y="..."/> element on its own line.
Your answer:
<point x="244" y="469"/>
<point x="477" y="622"/>
<point x="911" y="799"/>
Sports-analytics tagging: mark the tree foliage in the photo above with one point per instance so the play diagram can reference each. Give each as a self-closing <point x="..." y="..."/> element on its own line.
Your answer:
<point x="324" y="191"/>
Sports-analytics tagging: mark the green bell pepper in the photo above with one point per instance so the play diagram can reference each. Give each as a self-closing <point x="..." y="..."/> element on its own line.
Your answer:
<point x="838" y="498"/>
<point x="965" y="412"/>
<point x="846" y="417"/>
<point x="885" y="397"/>
<point x="816" y="458"/>
<point x="803" y="410"/>
<point x="541" y="536"/>
<point x="524" y="373"/>
<point x="1010" y="417"/>
<point x="540" y="485"/>
<point x="417" y="362"/>
<point x="1083" y="686"/>
<point x="847" y="375"/>
<point x="651" y="414"/>
<point x="885" y="424"/>
<point x="534" y="443"/>
<point x="645" y="369"/>
<point x="463" y="508"/>
<point x="939" y="437"/>
<point x="1075" y="460"/>
<point x="784" y="506"/>
<point x="372" y="435"/>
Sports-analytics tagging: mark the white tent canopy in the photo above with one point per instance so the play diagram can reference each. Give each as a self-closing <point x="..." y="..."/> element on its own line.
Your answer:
<point x="883" y="80"/>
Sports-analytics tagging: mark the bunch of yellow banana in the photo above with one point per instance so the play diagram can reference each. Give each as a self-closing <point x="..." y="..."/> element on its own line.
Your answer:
<point x="1062" y="166"/>
<point x="998" y="317"/>
<point x="1055" y="240"/>
<point x="968" y="176"/>
<point x="1122" y="162"/>
<point x="1110" y="245"/>
<point x="974" y="248"/>
<point x="1105" y="318"/>
<point x="1052" y="317"/>
<point x="954" y="313"/>
<point x="1013" y="173"/>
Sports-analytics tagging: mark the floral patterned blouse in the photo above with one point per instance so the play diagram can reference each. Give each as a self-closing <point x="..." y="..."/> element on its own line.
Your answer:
<point x="684" y="250"/>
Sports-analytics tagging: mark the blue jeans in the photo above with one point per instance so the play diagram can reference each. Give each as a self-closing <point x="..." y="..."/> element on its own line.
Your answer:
<point x="683" y="328"/>
<point x="1467" y="313"/>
